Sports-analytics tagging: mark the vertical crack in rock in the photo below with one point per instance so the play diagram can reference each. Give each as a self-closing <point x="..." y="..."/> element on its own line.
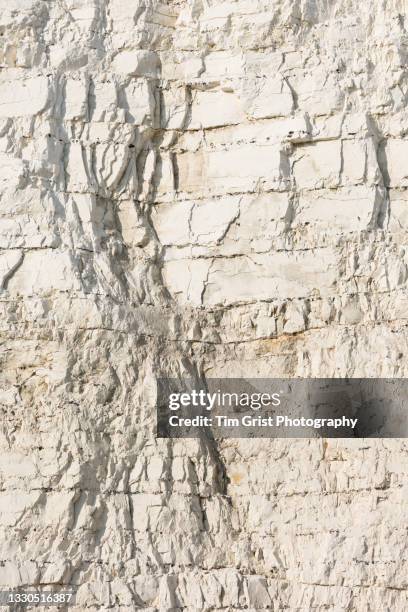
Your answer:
<point x="382" y="201"/>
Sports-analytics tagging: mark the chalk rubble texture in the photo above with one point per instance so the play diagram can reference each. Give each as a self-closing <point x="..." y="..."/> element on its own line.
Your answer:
<point x="190" y="188"/>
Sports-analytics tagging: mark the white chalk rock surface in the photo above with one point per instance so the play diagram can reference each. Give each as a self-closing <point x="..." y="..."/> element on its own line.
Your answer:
<point x="199" y="186"/>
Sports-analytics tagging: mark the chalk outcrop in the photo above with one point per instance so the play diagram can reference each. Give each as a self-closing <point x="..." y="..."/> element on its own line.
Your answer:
<point x="199" y="187"/>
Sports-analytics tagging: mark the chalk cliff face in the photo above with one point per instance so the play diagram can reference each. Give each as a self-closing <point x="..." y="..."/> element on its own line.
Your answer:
<point x="199" y="187"/>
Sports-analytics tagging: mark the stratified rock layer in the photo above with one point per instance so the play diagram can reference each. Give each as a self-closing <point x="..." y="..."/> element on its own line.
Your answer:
<point x="196" y="188"/>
